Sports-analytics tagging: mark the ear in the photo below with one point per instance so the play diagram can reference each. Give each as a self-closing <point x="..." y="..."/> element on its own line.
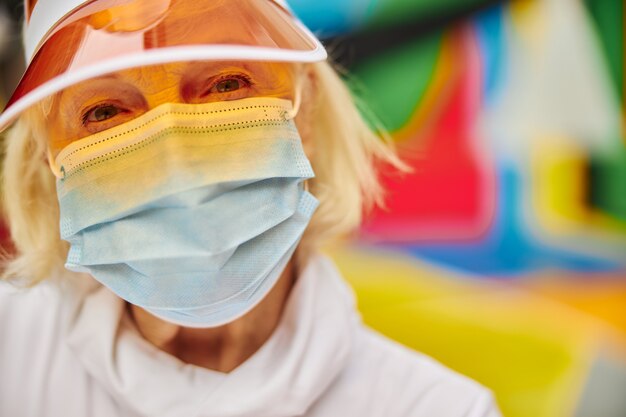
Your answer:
<point x="305" y="119"/>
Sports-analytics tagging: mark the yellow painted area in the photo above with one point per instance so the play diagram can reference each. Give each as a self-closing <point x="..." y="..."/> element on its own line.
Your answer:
<point x="558" y="188"/>
<point x="558" y="183"/>
<point x="533" y="352"/>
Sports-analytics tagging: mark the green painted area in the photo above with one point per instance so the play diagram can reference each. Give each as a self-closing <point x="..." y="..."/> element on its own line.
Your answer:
<point x="608" y="182"/>
<point x="609" y="22"/>
<point x="393" y="84"/>
<point x="387" y="12"/>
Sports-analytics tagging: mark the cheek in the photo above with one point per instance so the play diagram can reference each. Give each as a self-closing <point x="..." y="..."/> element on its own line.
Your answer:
<point x="58" y="135"/>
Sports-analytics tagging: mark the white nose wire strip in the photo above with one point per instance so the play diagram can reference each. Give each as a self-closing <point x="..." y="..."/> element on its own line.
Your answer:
<point x="276" y="108"/>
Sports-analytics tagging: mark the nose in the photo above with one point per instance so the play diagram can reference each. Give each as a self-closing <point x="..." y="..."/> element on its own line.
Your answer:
<point x="169" y="94"/>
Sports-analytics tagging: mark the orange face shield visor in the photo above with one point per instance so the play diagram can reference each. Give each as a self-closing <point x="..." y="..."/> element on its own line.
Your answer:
<point x="105" y="36"/>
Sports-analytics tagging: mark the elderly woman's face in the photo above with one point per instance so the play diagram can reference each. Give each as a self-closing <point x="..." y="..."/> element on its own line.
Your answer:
<point x="102" y="103"/>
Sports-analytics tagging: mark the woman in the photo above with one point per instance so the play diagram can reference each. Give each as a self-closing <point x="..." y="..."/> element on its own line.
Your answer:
<point x="184" y="160"/>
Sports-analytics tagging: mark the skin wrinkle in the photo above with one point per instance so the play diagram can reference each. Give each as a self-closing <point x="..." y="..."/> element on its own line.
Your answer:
<point x="141" y="89"/>
<point x="226" y="347"/>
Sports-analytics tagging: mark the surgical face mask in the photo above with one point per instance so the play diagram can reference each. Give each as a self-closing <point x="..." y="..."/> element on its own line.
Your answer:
<point x="191" y="211"/>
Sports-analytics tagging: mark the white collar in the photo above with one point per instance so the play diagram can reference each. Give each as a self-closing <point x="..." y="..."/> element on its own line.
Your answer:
<point x="283" y="378"/>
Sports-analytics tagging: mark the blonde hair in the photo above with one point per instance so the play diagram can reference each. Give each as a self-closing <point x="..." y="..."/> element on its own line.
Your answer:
<point x="343" y="150"/>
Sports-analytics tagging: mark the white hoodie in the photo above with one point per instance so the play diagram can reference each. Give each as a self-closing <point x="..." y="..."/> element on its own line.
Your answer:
<point x="71" y="351"/>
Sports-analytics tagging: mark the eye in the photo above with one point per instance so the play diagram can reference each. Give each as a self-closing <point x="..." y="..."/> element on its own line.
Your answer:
<point x="101" y="113"/>
<point x="226" y="86"/>
<point x="229" y="84"/>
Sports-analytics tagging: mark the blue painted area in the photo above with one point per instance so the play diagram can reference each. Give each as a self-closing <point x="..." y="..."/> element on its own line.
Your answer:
<point x="489" y="26"/>
<point x="328" y="18"/>
<point x="507" y="250"/>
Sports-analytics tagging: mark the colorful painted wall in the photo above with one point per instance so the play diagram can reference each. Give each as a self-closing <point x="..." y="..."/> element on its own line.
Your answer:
<point x="503" y="253"/>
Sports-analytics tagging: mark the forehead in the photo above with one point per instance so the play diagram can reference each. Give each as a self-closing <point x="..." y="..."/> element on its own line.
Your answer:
<point x="152" y="79"/>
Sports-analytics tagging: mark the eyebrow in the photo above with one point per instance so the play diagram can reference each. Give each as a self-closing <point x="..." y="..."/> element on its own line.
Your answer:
<point x="79" y="92"/>
<point x="111" y="76"/>
<point x="207" y="65"/>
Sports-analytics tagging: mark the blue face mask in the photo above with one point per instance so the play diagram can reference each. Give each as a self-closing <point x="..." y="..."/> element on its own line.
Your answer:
<point x="191" y="212"/>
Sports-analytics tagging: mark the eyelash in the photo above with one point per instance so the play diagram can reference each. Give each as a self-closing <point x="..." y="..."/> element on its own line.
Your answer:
<point x="86" y="114"/>
<point x="243" y="77"/>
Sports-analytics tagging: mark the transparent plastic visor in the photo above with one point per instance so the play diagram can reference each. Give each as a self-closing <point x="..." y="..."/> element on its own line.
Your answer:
<point x="111" y="35"/>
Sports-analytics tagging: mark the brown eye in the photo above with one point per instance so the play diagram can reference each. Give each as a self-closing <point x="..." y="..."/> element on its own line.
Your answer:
<point x="101" y="113"/>
<point x="226" y="86"/>
<point x="236" y="83"/>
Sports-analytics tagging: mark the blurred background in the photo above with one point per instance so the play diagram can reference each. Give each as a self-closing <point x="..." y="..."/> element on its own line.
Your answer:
<point x="503" y="255"/>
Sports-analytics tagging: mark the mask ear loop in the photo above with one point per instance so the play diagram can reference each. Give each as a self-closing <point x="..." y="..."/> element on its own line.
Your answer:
<point x="291" y="114"/>
<point x="297" y="101"/>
